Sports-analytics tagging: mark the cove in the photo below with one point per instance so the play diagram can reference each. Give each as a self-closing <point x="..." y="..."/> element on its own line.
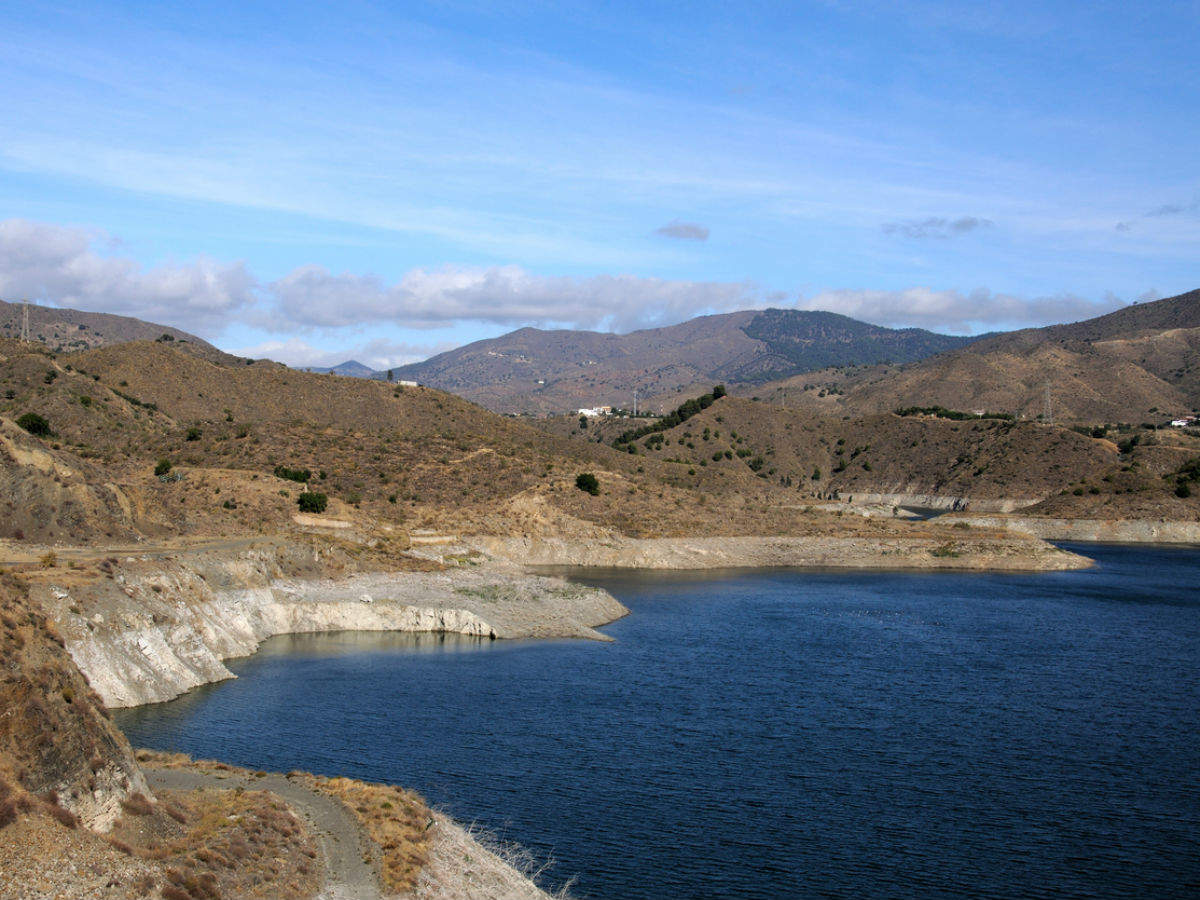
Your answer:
<point x="779" y="733"/>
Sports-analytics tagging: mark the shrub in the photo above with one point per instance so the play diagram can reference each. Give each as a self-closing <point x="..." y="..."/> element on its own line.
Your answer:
<point x="1183" y="489"/>
<point x="193" y="434"/>
<point x="64" y="817"/>
<point x="303" y="476"/>
<point x="34" y="424"/>
<point x="163" y="466"/>
<point x="136" y="804"/>
<point x="588" y="483"/>
<point x="312" y="502"/>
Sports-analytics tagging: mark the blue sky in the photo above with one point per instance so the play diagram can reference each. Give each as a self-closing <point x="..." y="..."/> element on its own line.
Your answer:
<point x="388" y="180"/>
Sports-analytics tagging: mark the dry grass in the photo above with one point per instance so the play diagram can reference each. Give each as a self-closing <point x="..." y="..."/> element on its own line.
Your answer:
<point x="397" y="822"/>
<point x="224" y="843"/>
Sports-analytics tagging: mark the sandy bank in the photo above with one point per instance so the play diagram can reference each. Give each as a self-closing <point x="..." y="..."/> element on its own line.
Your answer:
<point x="1116" y="531"/>
<point x="824" y="551"/>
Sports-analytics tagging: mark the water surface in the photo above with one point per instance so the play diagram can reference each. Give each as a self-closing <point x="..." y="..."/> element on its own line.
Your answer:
<point x="781" y="733"/>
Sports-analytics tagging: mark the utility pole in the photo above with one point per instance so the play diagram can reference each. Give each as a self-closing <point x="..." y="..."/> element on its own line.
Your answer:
<point x="25" y="320"/>
<point x="635" y="403"/>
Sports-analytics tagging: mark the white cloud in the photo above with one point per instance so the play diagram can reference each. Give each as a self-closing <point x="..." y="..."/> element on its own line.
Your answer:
<point x="62" y="266"/>
<point x="313" y="297"/>
<point x="59" y="265"/>
<point x="957" y="311"/>
<point x="377" y="354"/>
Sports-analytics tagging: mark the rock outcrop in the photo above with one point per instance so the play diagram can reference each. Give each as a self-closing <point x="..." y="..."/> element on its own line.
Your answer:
<point x="56" y="740"/>
<point x="157" y="628"/>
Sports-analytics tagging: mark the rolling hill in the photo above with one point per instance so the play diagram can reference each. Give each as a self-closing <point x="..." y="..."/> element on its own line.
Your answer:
<point x="536" y="371"/>
<point x="72" y="329"/>
<point x="1138" y="364"/>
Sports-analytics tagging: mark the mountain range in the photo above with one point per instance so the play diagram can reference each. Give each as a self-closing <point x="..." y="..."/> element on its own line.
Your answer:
<point x="537" y="371"/>
<point x="1138" y="364"/>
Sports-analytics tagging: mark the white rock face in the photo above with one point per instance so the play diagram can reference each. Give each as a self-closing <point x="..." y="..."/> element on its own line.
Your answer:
<point x="160" y="661"/>
<point x="168" y="626"/>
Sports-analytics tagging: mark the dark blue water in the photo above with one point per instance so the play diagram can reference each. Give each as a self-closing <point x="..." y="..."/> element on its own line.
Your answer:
<point x="781" y="734"/>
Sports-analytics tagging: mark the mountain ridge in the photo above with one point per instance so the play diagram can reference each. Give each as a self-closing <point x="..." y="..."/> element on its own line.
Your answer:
<point x="532" y="370"/>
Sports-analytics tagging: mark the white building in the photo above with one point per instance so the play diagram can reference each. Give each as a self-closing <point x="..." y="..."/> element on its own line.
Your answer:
<point x="594" y="411"/>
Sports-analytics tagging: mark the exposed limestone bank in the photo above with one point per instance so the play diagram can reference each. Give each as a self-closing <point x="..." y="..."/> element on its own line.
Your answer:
<point x="158" y="628"/>
<point x="1117" y="531"/>
<point x="948" y="502"/>
<point x="940" y="552"/>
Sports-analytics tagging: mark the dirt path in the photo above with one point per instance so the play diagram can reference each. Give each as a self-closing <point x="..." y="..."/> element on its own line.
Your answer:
<point x="347" y="876"/>
<point x="15" y="553"/>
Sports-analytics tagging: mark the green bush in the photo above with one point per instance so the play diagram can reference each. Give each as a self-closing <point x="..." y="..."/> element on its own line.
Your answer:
<point x="587" y="483"/>
<point x="163" y="467"/>
<point x="193" y="434"/>
<point x="34" y="424"/>
<point x="301" y="475"/>
<point x="312" y="502"/>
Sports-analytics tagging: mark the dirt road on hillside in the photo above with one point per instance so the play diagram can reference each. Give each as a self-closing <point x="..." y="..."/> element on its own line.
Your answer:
<point x="347" y="876"/>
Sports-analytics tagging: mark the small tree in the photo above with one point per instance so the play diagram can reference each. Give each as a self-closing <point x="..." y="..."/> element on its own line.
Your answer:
<point x="391" y="375"/>
<point x="34" y="424"/>
<point x="194" y="433"/>
<point x="718" y="391"/>
<point x="312" y="502"/>
<point x="163" y="467"/>
<point x="587" y="483"/>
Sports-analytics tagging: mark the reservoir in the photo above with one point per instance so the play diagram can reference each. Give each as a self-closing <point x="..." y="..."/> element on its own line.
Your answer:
<point x="778" y="733"/>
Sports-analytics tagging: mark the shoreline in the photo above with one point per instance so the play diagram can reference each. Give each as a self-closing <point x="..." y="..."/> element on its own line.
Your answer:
<point x="159" y="626"/>
<point x="970" y="552"/>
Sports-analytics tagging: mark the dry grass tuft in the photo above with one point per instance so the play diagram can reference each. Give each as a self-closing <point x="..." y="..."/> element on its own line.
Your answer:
<point x="397" y="822"/>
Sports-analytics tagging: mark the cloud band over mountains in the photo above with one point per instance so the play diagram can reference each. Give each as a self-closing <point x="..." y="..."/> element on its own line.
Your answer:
<point x="63" y="266"/>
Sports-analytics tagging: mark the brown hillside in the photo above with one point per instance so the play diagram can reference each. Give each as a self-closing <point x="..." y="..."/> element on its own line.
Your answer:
<point x="1139" y="364"/>
<point x="387" y="456"/>
<point x="66" y="330"/>
<point x="56" y="741"/>
<point x="802" y="455"/>
<point x="535" y="371"/>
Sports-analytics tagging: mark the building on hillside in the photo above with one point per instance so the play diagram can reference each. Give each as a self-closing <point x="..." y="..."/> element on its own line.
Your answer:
<point x="408" y="383"/>
<point x="1186" y="422"/>
<point x="594" y="411"/>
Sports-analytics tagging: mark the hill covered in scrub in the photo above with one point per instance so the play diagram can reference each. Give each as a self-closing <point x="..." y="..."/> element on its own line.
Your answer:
<point x="1138" y="364"/>
<point x="63" y="329"/>
<point x="536" y="371"/>
<point x="230" y="440"/>
<point x="994" y="462"/>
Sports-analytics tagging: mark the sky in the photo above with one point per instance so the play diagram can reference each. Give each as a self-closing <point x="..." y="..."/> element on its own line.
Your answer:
<point x="384" y="181"/>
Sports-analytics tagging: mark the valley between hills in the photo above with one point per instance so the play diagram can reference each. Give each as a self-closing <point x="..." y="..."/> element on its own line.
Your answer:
<point x="169" y="506"/>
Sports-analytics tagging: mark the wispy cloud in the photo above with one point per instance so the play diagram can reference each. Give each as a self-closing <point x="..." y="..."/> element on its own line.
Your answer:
<point x="936" y="227"/>
<point x="65" y="266"/>
<point x="313" y="297"/>
<point x="1167" y="210"/>
<point x="377" y="354"/>
<point x="957" y="311"/>
<point x="683" y="231"/>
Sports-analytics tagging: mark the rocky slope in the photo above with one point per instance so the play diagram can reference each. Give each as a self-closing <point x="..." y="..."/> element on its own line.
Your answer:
<point x="155" y="628"/>
<point x="56" y="740"/>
